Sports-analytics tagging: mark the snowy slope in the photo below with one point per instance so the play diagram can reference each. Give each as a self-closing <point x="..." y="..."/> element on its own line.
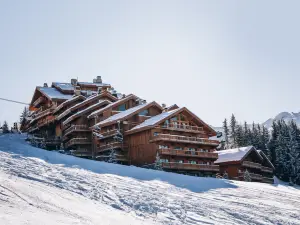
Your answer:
<point x="38" y="185"/>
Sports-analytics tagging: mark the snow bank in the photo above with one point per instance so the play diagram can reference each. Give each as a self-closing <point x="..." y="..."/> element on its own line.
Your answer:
<point x="161" y="197"/>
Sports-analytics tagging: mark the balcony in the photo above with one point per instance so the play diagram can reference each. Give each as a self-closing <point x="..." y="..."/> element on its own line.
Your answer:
<point x="81" y="153"/>
<point x="184" y="128"/>
<point x="268" y="180"/>
<point x="266" y="169"/>
<point x="78" y="141"/>
<point x="114" y="145"/>
<point x="184" y="139"/>
<point x="118" y="158"/>
<point x="188" y="166"/>
<point x="108" y="134"/>
<point x="253" y="176"/>
<point x="45" y="122"/>
<point x="76" y="128"/>
<point x="185" y="153"/>
<point x="38" y="101"/>
<point x="249" y="164"/>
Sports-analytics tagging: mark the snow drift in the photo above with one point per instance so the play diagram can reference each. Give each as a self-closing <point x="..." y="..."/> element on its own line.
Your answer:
<point x="102" y="193"/>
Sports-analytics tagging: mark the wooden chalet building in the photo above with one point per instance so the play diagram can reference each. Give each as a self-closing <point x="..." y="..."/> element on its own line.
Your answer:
<point x="110" y="142"/>
<point x="236" y="161"/>
<point x="180" y="139"/>
<point x="48" y="102"/>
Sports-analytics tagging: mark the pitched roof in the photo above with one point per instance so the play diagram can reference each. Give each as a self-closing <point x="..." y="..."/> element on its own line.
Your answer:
<point x="153" y="121"/>
<point x="53" y="93"/>
<point x="127" y="113"/>
<point x="114" y="104"/>
<point x="82" y="112"/>
<point x="266" y="158"/>
<point x="78" y="97"/>
<point x="156" y="120"/>
<point x="63" y="86"/>
<point x="78" y="105"/>
<point x="235" y="155"/>
<point x="93" y="84"/>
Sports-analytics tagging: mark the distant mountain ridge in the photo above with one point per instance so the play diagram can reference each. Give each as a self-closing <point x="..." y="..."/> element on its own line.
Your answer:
<point x="286" y="116"/>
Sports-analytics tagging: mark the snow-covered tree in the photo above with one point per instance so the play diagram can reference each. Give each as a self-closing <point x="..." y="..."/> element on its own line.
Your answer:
<point x="233" y="127"/>
<point x="226" y="134"/>
<point x="24" y="114"/>
<point x="157" y="164"/>
<point x="240" y="138"/>
<point x="5" y="128"/>
<point x="247" y="176"/>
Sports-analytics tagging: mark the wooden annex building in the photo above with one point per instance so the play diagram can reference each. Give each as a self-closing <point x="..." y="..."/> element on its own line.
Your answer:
<point x="235" y="162"/>
<point x="92" y="120"/>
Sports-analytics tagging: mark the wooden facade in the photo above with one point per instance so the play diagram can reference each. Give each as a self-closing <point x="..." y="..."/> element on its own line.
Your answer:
<point x="91" y="120"/>
<point x="235" y="162"/>
<point x="179" y="138"/>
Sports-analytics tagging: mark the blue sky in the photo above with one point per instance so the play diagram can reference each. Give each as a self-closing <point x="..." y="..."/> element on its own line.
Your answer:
<point x="214" y="57"/>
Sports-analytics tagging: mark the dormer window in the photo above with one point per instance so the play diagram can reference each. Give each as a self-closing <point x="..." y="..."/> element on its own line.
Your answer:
<point x="144" y="113"/>
<point x="122" y="107"/>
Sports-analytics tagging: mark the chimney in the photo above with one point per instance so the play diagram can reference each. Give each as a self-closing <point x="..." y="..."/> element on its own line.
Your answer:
<point x="77" y="91"/>
<point x="164" y="105"/>
<point x="98" y="80"/>
<point x="74" y="82"/>
<point x="123" y="96"/>
<point x="45" y="85"/>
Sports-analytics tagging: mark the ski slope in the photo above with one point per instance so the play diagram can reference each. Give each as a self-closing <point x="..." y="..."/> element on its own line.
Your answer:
<point x="42" y="187"/>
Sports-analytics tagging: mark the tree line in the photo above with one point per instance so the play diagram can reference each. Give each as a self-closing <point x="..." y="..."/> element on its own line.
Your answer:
<point x="281" y="144"/>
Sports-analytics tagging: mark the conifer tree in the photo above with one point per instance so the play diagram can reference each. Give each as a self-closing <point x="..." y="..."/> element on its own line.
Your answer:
<point x="247" y="176"/>
<point x="226" y="133"/>
<point x="5" y="128"/>
<point x="255" y="136"/>
<point x="24" y="114"/>
<point x="247" y="140"/>
<point x="264" y="142"/>
<point x="233" y="124"/>
<point x="157" y="164"/>
<point x="240" y="140"/>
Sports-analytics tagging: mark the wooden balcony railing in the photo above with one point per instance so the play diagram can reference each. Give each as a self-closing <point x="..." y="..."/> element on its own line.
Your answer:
<point x="197" y="154"/>
<point x="253" y="176"/>
<point x="76" y="128"/>
<point x="81" y="152"/>
<point x="188" y="166"/>
<point x="117" y="158"/>
<point x="184" y="139"/>
<point x="45" y="122"/>
<point x="185" y="128"/>
<point x="38" y="101"/>
<point x="266" y="169"/>
<point x="108" y="133"/>
<point x="251" y="165"/>
<point x="268" y="180"/>
<point x="114" y="145"/>
<point x="78" y="141"/>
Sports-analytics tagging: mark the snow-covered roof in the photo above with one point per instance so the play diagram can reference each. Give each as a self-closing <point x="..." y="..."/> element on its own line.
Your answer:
<point x="163" y="116"/>
<point x="92" y="115"/>
<point x="64" y="86"/>
<point x="235" y="155"/>
<point x="53" y="93"/>
<point x="79" y="113"/>
<point x="155" y="119"/>
<point x="125" y="113"/>
<point x="94" y="84"/>
<point x="68" y="102"/>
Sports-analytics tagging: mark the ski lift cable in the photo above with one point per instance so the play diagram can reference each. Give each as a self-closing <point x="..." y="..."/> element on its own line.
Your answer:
<point x="9" y="100"/>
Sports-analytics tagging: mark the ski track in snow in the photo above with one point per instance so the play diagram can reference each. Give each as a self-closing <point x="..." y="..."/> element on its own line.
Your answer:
<point x="161" y="202"/>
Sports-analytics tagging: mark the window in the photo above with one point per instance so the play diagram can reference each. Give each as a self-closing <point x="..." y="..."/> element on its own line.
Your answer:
<point x="163" y="147"/>
<point x="144" y="113"/>
<point x="155" y="133"/>
<point x="164" y="160"/>
<point x="178" y="148"/>
<point x="182" y="118"/>
<point x="192" y="162"/>
<point x="174" y="119"/>
<point x="179" y="161"/>
<point x="191" y="149"/>
<point x="122" y="107"/>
